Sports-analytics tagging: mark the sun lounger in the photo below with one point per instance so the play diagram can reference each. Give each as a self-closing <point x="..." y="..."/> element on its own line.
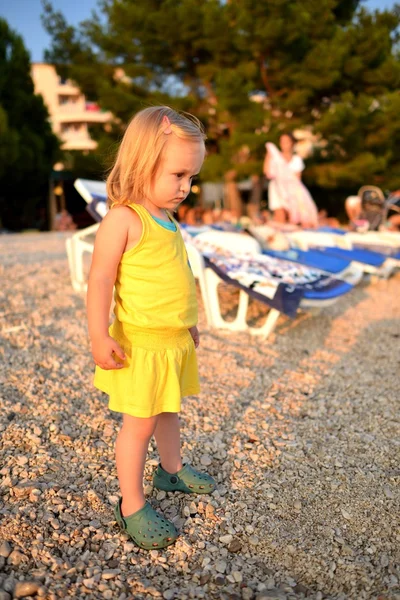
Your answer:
<point x="77" y="245"/>
<point x="342" y="267"/>
<point x="341" y="246"/>
<point x="280" y="284"/>
<point x="81" y="242"/>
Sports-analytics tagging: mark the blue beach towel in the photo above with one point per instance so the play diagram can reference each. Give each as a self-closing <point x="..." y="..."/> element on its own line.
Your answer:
<point x="360" y="255"/>
<point x="312" y="258"/>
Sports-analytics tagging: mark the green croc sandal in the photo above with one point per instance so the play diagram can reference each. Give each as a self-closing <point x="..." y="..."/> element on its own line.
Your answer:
<point x="187" y="480"/>
<point x="146" y="527"/>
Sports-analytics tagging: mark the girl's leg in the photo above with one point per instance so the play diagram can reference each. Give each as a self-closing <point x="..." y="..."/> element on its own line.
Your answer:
<point x="131" y="451"/>
<point x="167" y="434"/>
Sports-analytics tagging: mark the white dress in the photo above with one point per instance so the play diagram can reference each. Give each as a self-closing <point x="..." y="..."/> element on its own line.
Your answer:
<point x="275" y="201"/>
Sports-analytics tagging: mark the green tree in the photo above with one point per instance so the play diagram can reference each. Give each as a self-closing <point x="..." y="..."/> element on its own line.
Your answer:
<point x="326" y="65"/>
<point x="28" y="147"/>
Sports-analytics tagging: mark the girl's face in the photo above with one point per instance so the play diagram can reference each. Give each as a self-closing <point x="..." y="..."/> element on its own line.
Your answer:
<point x="286" y="143"/>
<point x="181" y="162"/>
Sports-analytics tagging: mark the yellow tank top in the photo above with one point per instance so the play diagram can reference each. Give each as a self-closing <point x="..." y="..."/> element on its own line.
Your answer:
<point x="155" y="287"/>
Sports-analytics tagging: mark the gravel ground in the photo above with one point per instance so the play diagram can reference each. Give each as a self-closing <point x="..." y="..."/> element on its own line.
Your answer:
<point x="301" y="433"/>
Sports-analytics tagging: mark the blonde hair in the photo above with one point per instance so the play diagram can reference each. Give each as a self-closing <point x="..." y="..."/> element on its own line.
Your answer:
<point x="141" y="151"/>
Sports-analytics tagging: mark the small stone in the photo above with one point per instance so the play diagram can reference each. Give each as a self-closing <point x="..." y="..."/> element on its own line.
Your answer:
<point x="5" y="549"/>
<point x="22" y="460"/>
<point x="274" y="594"/>
<point x="193" y="508"/>
<point x="210" y="511"/>
<point x="219" y="579"/>
<point x="9" y="585"/>
<point x="129" y="547"/>
<point x="384" y="560"/>
<point x="235" y="545"/>
<point x="237" y="576"/>
<point x="34" y="495"/>
<point x="5" y="595"/>
<point x="204" y="578"/>
<point x="346" y="514"/>
<point x="253" y="540"/>
<point x="299" y="588"/>
<point x="89" y="583"/>
<point x="26" y="588"/>
<point x="161" y="495"/>
<point x="169" y="594"/>
<point x="249" y="529"/>
<point x="220" y="566"/>
<point x="206" y="460"/>
<point x="226" y="539"/>
<point x="388" y="492"/>
<point x="108" y="431"/>
<point x="110" y="573"/>
<point x="15" y="558"/>
<point x="95" y="524"/>
<point x="247" y="593"/>
<point x="297" y="505"/>
<point x="22" y="490"/>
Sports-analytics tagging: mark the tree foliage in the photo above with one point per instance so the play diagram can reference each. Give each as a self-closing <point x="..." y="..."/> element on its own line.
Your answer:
<point x="28" y="147"/>
<point x="326" y="65"/>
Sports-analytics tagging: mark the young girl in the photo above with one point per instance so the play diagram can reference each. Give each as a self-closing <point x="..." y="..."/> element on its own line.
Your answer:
<point x="146" y="360"/>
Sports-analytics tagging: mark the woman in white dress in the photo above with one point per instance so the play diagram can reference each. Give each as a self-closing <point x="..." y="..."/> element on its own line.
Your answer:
<point x="288" y="198"/>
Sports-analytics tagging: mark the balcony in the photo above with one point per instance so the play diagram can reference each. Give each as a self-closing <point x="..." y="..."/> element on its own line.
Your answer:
<point x="88" y="113"/>
<point x="68" y="89"/>
<point x="77" y="141"/>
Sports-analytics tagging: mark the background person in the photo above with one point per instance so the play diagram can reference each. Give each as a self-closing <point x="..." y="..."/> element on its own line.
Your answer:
<point x="288" y="198"/>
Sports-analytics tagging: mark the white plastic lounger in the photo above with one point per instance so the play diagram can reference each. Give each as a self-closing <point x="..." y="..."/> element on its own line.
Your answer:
<point x="209" y="281"/>
<point x="376" y="238"/>
<point x="81" y="242"/>
<point x="77" y="245"/>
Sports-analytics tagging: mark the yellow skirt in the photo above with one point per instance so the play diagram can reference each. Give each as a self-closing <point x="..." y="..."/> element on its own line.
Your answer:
<point x="160" y="368"/>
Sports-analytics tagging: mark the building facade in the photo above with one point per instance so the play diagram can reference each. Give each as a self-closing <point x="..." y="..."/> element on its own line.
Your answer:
<point x="70" y="112"/>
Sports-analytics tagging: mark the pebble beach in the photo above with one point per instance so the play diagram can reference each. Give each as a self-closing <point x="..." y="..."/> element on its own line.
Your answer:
<point x="301" y="432"/>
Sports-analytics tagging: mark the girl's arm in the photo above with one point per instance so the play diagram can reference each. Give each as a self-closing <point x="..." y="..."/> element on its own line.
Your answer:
<point x="111" y="241"/>
<point x="194" y="332"/>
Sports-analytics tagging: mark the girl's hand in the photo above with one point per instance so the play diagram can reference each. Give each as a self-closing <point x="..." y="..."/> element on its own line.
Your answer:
<point x="103" y="351"/>
<point x="194" y="332"/>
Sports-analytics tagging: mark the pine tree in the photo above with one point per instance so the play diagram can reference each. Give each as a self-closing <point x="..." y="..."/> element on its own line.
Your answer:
<point x="28" y="147"/>
<point x="327" y="66"/>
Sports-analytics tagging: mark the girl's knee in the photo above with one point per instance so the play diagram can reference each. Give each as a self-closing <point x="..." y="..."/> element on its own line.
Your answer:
<point x="139" y="427"/>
